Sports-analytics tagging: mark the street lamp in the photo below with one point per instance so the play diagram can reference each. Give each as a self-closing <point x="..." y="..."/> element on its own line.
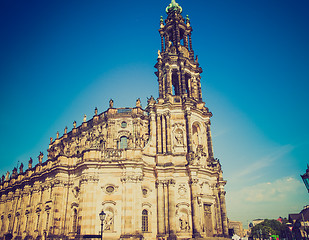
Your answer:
<point x="102" y="216"/>
<point x="305" y="178"/>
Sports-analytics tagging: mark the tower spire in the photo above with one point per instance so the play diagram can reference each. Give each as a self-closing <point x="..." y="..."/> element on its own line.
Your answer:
<point x="173" y="7"/>
<point x="178" y="71"/>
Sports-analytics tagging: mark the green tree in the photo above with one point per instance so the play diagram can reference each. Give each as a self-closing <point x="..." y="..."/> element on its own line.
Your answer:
<point x="268" y="227"/>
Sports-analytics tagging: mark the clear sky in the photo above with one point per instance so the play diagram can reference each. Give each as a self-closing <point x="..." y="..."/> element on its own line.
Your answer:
<point x="61" y="59"/>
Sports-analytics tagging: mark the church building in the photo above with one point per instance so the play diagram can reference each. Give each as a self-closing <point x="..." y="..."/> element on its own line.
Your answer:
<point x="152" y="171"/>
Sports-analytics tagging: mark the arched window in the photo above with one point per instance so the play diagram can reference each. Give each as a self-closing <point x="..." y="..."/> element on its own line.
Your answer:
<point x="144" y="220"/>
<point x="123" y="144"/>
<point x="175" y="83"/>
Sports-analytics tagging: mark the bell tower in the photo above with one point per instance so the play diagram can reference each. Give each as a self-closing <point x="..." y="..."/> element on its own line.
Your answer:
<point x="189" y="183"/>
<point x="178" y="70"/>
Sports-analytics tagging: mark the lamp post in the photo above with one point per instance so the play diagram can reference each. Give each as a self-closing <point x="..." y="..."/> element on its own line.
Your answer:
<point x="305" y="178"/>
<point x="102" y="216"/>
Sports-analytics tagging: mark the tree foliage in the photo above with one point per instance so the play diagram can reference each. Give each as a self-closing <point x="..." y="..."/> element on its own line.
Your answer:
<point x="268" y="227"/>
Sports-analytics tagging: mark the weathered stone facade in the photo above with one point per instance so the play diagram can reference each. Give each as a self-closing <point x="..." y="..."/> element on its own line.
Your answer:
<point x="151" y="170"/>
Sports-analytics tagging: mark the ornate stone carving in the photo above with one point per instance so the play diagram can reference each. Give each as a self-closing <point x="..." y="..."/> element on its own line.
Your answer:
<point x="112" y="154"/>
<point x="132" y="178"/>
<point x="182" y="190"/>
<point x="179" y="141"/>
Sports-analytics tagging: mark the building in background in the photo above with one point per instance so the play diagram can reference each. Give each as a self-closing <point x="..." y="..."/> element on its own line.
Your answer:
<point x="152" y="171"/>
<point x="300" y="221"/>
<point x="237" y="228"/>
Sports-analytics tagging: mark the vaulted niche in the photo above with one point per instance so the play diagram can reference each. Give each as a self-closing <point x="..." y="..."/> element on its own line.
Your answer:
<point x="196" y="135"/>
<point x="175" y="83"/>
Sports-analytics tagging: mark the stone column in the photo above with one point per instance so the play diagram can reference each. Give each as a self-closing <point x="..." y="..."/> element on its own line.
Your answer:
<point x="159" y="134"/>
<point x="124" y="206"/>
<point x="165" y="187"/>
<point x="196" y="228"/>
<point x="199" y="88"/>
<point x="135" y="132"/>
<point x="160" y="78"/>
<point x="185" y="40"/>
<point x="209" y="140"/>
<point x="14" y="208"/>
<point x="169" y="85"/>
<point x="168" y="133"/>
<point x="132" y="206"/>
<point x="177" y="35"/>
<point x="180" y="85"/>
<point x="58" y="207"/>
<point x="189" y="129"/>
<point x="167" y="39"/>
<point x="164" y="85"/>
<point x="190" y="42"/>
<point x="153" y="135"/>
<point x="217" y="211"/>
<point x="67" y="210"/>
<point x="163" y="133"/>
<point x="137" y="202"/>
<point x="183" y="83"/>
<point x="171" y="209"/>
<point x="223" y="212"/>
<point x="162" y="43"/>
<point x="160" y="209"/>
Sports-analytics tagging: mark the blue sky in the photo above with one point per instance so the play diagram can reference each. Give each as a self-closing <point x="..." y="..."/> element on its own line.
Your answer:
<point x="61" y="59"/>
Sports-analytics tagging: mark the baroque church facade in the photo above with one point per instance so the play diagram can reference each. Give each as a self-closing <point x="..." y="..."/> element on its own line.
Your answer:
<point x="152" y="171"/>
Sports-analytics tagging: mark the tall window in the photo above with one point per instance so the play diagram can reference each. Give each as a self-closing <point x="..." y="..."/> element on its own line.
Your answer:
<point x="123" y="144"/>
<point x="175" y="83"/>
<point x="145" y="221"/>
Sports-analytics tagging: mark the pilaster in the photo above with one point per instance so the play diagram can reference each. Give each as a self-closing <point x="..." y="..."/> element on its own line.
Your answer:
<point x="161" y="208"/>
<point x="159" y="133"/>
<point x="171" y="209"/>
<point x="196" y="228"/>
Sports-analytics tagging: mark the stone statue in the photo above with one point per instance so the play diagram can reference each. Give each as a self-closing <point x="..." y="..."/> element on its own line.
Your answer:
<point x="111" y="103"/>
<point x="96" y="111"/>
<point x="85" y="118"/>
<point x="57" y="134"/>
<point x="184" y="225"/>
<point x="14" y="172"/>
<point x="109" y="220"/>
<point x="179" y="137"/>
<point x="21" y="168"/>
<point x="151" y="100"/>
<point x="74" y="124"/>
<point x="7" y="176"/>
<point x="159" y="54"/>
<point x="40" y="157"/>
<point x="138" y="103"/>
<point x="51" y="140"/>
<point x="3" y="178"/>
<point x="66" y="130"/>
<point x="30" y="163"/>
